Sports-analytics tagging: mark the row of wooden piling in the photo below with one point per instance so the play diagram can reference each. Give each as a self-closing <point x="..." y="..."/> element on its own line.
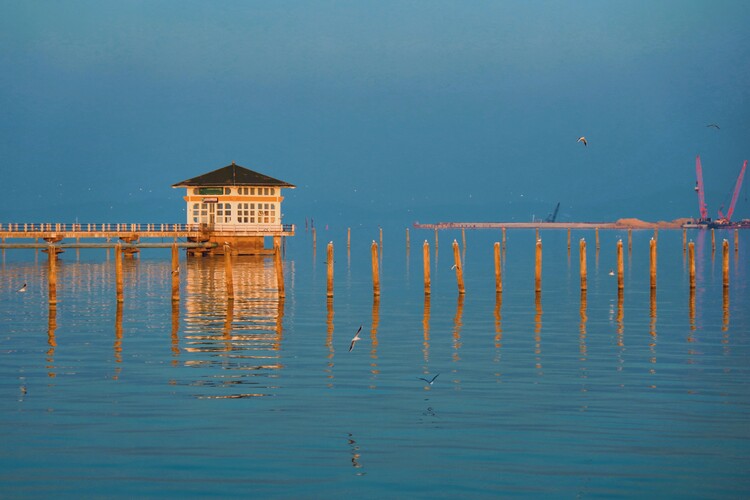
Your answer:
<point x="497" y="253"/>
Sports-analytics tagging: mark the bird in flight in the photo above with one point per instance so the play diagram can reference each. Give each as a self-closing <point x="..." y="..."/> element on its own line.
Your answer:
<point x="714" y="126"/>
<point x="355" y="338"/>
<point x="23" y="288"/>
<point x="429" y="381"/>
<point x="583" y="140"/>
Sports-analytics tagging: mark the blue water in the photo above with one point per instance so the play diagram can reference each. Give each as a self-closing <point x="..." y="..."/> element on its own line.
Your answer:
<point x="542" y="395"/>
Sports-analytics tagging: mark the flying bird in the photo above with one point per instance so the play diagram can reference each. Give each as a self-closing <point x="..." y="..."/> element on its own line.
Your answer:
<point x="583" y="140"/>
<point x="714" y="126"/>
<point x="355" y="338"/>
<point x="429" y="381"/>
<point x="23" y="288"/>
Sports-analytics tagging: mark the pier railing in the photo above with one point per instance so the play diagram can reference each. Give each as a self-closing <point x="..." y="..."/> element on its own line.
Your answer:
<point x="57" y="227"/>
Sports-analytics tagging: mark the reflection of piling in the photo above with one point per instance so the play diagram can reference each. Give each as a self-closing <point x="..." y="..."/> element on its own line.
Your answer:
<point x="656" y="234"/>
<point x="314" y="239"/>
<point x="725" y="263"/>
<point x="459" y="270"/>
<point x="348" y="238"/>
<point x="652" y="262"/>
<point x="52" y="278"/>
<point x="498" y="271"/>
<point x="436" y="241"/>
<point x="329" y="259"/>
<point x="713" y="240"/>
<point x="584" y="279"/>
<point x="228" y="272"/>
<point x="630" y="241"/>
<point x="691" y="264"/>
<point x="568" y="240"/>
<point x="375" y="269"/>
<point x="426" y="260"/>
<point x="408" y="243"/>
<point x="538" y="267"/>
<point x="596" y="239"/>
<point x="463" y="238"/>
<point x="503" y="231"/>
<point x="175" y="273"/>
<point x="620" y="267"/>
<point x="118" y="271"/>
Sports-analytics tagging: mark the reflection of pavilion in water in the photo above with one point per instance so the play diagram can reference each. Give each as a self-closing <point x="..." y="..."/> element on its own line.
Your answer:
<point x="235" y="343"/>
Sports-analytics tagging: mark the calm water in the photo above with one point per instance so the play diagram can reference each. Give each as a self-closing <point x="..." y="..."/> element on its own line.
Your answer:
<point x="540" y="396"/>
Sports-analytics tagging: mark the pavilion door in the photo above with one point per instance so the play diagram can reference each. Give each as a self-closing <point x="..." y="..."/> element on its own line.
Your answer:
<point x="211" y="214"/>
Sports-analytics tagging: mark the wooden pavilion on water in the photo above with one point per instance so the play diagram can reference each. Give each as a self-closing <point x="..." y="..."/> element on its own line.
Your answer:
<point x="237" y="209"/>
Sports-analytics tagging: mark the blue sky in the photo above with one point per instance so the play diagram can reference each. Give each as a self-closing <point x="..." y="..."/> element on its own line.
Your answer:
<point x="378" y="111"/>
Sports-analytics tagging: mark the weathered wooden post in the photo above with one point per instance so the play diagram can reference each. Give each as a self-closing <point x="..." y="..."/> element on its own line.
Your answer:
<point x="52" y="278"/>
<point x="228" y="272"/>
<point x="329" y="260"/>
<point x="118" y="271"/>
<point x="498" y="271"/>
<point x="175" y="273"/>
<point x="630" y="241"/>
<point x="538" y="274"/>
<point x="426" y="260"/>
<point x="652" y="261"/>
<point x="684" y="240"/>
<point x="691" y="264"/>
<point x="736" y="241"/>
<point x="375" y="269"/>
<point x="584" y="279"/>
<point x="458" y="267"/>
<point x="725" y="263"/>
<point x="620" y="267"/>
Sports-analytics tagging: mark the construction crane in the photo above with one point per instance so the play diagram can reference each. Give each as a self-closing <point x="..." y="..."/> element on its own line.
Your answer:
<point x="553" y="216"/>
<point x="725" y="220"/>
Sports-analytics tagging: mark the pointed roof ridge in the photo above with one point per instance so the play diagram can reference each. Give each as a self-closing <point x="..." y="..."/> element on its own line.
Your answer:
<point x="233" y="175"/>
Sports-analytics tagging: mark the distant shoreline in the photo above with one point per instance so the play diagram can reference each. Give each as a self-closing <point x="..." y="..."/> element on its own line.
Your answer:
<point x="629" y="223"/>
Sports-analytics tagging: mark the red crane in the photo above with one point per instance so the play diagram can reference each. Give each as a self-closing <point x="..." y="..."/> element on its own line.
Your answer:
<point x="727" y="219"/>
<point x="702" y="208"/>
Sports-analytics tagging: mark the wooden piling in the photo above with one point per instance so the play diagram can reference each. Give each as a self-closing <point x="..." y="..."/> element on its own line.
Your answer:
<point x="596" y="235"/>
<point x="498" y="271"/>
<point x="426" y="260"/>
<point x="175" y="273"/>
<point x="538" y="267"/>
<point x="459" y="269"/>
<point x="228" y="272"/>
<point x="620" y="267"/>
<point x="584" y="279"/>
<point x="725" y="263"/>
<point x="375" y="269"/>
<point x="329" y="260"/>
<point x="736" y="241"/>
<point x="118" y="271"/>
<point x="652" y="262"/>
<point x="684" y="240"/>
<point x="630" y="241"/>
<point x="691" y="264"/>
<point x="279" y="267"/>
<point x="52" y="278"/>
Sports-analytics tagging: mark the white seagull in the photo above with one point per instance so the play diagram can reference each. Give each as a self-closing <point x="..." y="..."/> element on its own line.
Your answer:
<point x="429" y="381"/>
<point x="611" y="272"/>
<point x="23" y="288"/>
<point x="583" y="140"/>
<point x="355" y="338"/>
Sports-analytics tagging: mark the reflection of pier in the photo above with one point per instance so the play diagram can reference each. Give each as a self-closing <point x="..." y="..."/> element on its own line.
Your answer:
<point x="235" y="343"/>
